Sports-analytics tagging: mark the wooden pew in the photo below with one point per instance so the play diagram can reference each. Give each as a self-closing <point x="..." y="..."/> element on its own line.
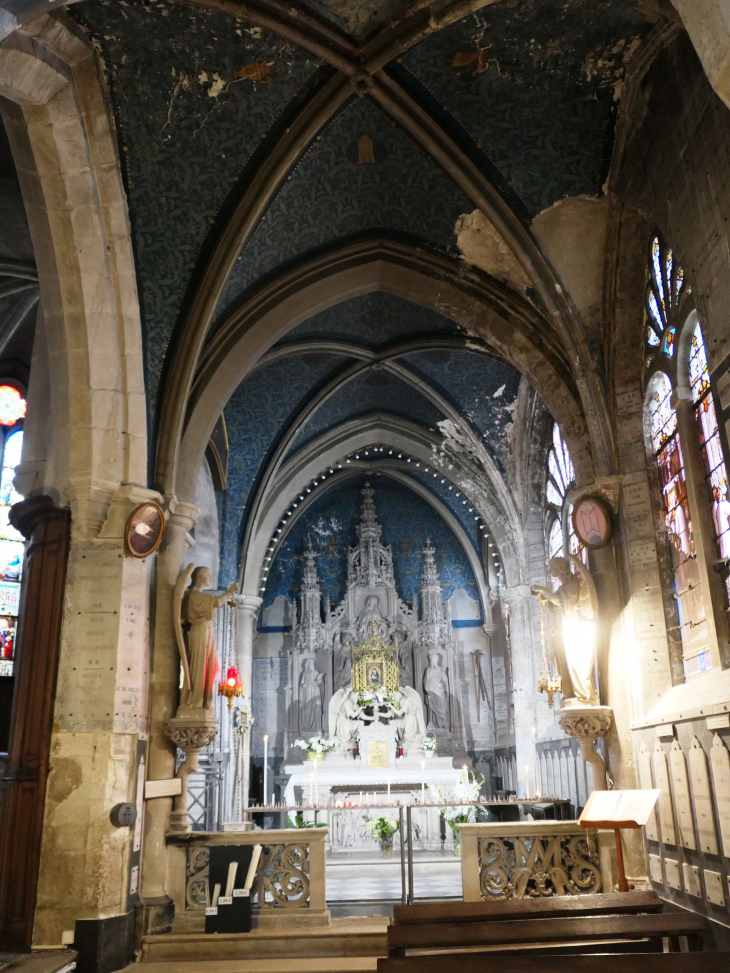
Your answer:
<point x="528" y="963"/>
<point x="557" y="906"/>
<point x="579" y="934"/>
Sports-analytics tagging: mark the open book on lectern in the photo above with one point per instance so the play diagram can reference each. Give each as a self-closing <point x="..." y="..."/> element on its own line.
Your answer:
<point x="618" y="809"/>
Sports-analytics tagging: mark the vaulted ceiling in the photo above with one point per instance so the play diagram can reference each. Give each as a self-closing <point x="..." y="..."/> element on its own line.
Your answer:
<point x="258" y="138"/>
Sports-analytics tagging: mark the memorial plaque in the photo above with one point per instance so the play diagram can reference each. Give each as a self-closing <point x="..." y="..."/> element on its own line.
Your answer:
<point x="682" y="802"/>
<point x="713" y="887"/>
<point x="720" y="760"/>
<point x="692" y="884"/>
<point x="661" y="779"/>
<point x="702" y="799"/>
<point x="642" y="554"/>
<point x="655" y="869"/>
<point x="645" y="779"/>
<point x="674" y="880"/>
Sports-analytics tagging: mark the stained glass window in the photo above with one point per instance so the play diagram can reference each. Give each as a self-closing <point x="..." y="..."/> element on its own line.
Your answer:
<point x="560" y="479"/>
<point x="712" y="452"/>
<point x="665" y="292"/>
<point x="11" y="541"/>
<point x="687" y="593"/>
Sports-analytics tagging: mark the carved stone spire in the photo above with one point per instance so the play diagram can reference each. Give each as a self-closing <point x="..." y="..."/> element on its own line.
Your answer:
<point x="371" y="562"/>
<point x="309" y="633"/>
<point x="431" y="591"/>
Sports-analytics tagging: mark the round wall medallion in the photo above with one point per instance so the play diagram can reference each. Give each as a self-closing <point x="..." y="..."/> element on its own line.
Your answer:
<point x="592" y="522"/>
<point x="144" y="530"/>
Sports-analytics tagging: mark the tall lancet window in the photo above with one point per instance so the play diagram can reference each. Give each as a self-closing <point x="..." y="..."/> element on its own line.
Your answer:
<point x="712" y="454"/>
<point x="12" y="413"/>
<point x="561" y="536"/>
<point x="666" y="315"/>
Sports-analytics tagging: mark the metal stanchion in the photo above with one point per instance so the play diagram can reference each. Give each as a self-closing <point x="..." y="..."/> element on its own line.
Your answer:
<point x="404" y="892"/>
<point x="410" y="854"/>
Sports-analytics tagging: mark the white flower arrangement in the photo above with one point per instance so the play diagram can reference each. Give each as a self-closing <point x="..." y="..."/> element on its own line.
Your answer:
<point x="316" y="745"/>
<point x="429" y="744"/>
<point x="374" y="698"/>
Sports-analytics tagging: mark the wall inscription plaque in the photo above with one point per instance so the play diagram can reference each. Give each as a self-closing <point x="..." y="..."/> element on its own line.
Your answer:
<point x="682" y="803"/>
<point x="720" y="760"/>
<point x="703" y="801"/>
<point x="664" y="804"/>
<point x="651" y="829"/>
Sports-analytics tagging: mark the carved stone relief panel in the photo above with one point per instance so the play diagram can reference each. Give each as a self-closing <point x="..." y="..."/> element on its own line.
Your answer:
<point x="702" y="799"/>
<point x="682" y="803"/>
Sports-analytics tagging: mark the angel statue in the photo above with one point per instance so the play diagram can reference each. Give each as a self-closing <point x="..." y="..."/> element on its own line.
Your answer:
<point x="194" y="608"/>
<point x="576" y="603"/>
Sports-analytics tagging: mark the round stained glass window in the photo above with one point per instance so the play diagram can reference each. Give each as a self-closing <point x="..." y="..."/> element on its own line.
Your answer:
<point x="12" y="405"/>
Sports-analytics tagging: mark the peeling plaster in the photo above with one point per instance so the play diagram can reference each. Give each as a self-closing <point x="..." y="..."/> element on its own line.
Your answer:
<point x="482" y="246"/>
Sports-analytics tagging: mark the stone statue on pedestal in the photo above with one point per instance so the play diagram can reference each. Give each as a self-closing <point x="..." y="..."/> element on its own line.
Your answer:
<point x="436" y="688"/>
<point x="194" y="726"/>
<point x="195" y="608"/>
<point x="310" y="698"/>
<point x="576" y="605"/>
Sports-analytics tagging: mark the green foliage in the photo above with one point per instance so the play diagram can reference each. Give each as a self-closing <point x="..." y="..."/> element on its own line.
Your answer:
<point x="381" y="828"/>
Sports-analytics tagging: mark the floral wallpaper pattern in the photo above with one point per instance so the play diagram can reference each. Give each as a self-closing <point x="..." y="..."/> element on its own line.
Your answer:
<point x="194" y="91"/>
<point x="482" y="388"/>
<point x="371" y="391"/>
<point x="332" y="194"/>
<point x="256" y="415"/>
<point x="535" y="85"/>
<point x="407" y="521"/>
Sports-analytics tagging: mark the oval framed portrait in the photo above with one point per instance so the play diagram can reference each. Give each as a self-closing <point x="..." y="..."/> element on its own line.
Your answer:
<point x="145" y="526"/>
<point x="592" y="522"/>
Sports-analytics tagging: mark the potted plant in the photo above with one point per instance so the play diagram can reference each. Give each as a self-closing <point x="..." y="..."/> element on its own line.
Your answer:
<point x="383" y="829"/>
<point x="316" y="747"/>
<point x="429" y="746"/>
<point x="467" y="789"/>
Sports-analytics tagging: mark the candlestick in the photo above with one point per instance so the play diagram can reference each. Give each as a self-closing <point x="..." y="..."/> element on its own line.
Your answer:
<point x="423" y="782"/>
<point x="266" y="765"/>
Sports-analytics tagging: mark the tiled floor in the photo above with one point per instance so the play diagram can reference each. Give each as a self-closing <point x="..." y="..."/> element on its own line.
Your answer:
<point x="434" y="876"/>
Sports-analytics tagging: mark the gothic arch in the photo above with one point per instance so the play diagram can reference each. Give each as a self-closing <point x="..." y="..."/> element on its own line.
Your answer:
<point x="496" y="314"/>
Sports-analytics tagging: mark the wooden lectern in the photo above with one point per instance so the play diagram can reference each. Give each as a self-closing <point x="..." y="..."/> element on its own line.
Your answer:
<point x="615" y="810"/>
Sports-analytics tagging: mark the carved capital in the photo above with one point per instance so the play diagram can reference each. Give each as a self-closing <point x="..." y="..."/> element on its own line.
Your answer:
<point x="585" y="723"/>
<point x="192" y="731"/>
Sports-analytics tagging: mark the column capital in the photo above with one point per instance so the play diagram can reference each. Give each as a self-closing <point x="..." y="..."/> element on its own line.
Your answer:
<point x="248" y="604"/>
<point x="182" y="514"/>
<point x="26" y="515"/>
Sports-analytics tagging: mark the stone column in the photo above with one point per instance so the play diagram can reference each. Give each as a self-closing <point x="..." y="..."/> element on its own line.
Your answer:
<point x="158" y="910"/>
<point x="247" y="610"/>
<point x="524" y="679"/>
<point x="44" y="571"/>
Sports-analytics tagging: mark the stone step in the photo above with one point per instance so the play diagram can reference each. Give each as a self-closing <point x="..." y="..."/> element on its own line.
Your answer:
<point x="354" y="937"/>
<point x="300" y="964"/>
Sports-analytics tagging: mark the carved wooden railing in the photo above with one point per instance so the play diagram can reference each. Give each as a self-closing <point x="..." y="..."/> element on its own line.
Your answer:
<point x="530" y="860"/>
<point x="290" y="876"/>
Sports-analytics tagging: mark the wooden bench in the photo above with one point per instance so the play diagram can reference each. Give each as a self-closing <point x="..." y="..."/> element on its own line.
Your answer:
<point x="576" y="934"/>
<point x="555" y="906"/>
<point x="530" y="963"/>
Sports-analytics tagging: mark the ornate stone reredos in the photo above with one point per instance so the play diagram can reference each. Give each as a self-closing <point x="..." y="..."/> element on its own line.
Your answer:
<point x="371" y="654"/>
<point x="371" y="562"/>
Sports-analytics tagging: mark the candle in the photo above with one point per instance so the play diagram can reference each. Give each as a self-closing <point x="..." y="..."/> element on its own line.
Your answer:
<point x="389" y="790"/>
<point x="311" y="789"/>
<point x="360" y="798"/>
<point x="316" y="785"/>
<point x="527" y="779"/>
<point x="423" y="782"/>
<point x="266" y="766"/>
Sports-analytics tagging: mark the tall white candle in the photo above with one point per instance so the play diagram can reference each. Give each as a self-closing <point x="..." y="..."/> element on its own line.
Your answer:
<point x="316" y="785"/>
<point x="389" y="790"/>
<point x="360" y="798"/>
<point x="311" y="788"/>
<point x="266" y="767"/>
<point x="423" y="782"/>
